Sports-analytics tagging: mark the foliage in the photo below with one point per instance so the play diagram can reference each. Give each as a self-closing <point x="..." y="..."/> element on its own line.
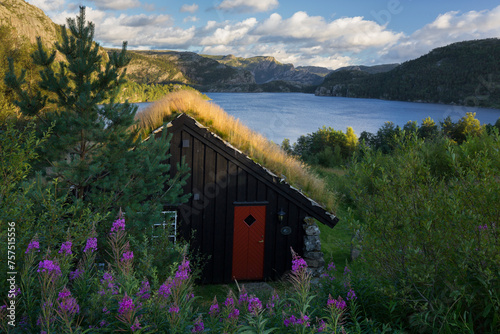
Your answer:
<point x="93" y="152"/>
<point x="465" y="73"/>
<point x="65" y="291"/>
<point x="430" y="232"/>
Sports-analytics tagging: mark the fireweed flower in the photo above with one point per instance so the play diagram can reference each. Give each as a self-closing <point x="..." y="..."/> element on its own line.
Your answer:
<point x="66" y="248"/>
<point x="198" y="326"/>
<point x="127" y="256"/>
<point x="183" y="270"/>
<point x="174" y="309"/>
<point x="48" y="266"/>
<point x="67" y="303"/>
<point x="322" y="326"/>
<point x="107" y="282"/>
<point x="145" y="291"/>
<point x="136" y="326"/>
<point x="165" y="289"/>
<point x="229" y="301"/>
<point x="234" y="314"/>
<point x="214" y="308"/>
<point x="254" y="305"/>
<point x="298" y="263"/>
<point x="91" y="245"/>
<point x="338" y="304"/>
<point x="34" y="244"/>
<point x="351" y="295"/>
<point x="75" y="274"/>
<point x="118" y="225"/>
<point x="126" y="305"/>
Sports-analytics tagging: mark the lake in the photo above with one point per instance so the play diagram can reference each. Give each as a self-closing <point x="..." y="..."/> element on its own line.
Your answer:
<point x="290" y="115"/>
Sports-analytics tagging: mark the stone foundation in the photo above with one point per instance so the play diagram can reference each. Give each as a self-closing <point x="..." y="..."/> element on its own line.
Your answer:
<point x="312" y="248"/>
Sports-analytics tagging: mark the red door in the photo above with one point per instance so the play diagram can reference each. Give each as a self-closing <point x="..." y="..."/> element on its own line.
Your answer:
<point x="248" y="244"/>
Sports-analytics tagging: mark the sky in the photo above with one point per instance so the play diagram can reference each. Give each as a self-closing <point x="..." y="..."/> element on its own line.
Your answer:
<point x="327" y="33"/>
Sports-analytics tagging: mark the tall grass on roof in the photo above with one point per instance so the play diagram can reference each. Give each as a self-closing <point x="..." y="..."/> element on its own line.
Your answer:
<point x="253" y="144"/>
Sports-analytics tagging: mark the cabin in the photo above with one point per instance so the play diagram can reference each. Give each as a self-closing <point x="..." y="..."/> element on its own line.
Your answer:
<point x="240" y="214"/>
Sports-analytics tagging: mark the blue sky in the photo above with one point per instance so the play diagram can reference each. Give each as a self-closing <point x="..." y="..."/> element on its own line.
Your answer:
<point x="330" y="33"/>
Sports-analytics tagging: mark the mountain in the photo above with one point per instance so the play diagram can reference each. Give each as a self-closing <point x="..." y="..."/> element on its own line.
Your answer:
<point x="463" y="73"/>
<point x="184" y="67"/>
<point x="28" y="21"/>
<point x="268" y="69"/>
<point x="369" y="69"/>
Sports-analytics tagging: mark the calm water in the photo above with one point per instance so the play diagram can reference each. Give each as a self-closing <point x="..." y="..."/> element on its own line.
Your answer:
<point x="290" y="115"/>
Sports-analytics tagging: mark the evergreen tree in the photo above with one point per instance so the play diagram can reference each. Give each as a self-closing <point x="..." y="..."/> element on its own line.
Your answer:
<point x="93" y="150"/>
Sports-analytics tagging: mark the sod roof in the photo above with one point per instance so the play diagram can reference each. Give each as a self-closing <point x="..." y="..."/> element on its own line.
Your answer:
<point x="230" y="129"/>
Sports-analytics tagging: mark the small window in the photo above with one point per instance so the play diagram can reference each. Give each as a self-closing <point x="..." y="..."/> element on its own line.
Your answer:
<point x="169" y="217"/>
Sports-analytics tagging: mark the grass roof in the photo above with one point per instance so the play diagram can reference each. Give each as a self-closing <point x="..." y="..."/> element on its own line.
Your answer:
<point x="253" y="144"/>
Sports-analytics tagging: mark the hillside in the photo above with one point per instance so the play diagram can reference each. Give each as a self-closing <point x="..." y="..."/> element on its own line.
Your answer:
<point x="464" y="73"/>
<point x="28" y="21"/>
<point x="268" y="69"/>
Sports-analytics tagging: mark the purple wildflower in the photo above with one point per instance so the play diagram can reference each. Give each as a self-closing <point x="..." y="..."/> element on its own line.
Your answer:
<point x="254" y="305"/>
<point x="298" y="263"/>
<point x="482" y="227"/>
<point x="75" y="274"/>
<point x="229" y="301"/>
<point x="127" y="256"/>
<point x="183" y="271"/>
<point x="234" y="314"/>
<point x="103" y="323"/>
<point x="165" y="289"/>
<point x="214" y="308"/>
<point x="174" y="309"/>
<point x="292" y="320"/>
<point x="243" y="296"/>
<point x="136" y="326"/>
<point x="145" y="291"/>
<point x="126" y="305"/>
<point x="331" y="266"/>
<point x="34" y="244"/>
<point x="118" y="225"/>
<point x="338" y="303"/>
<point x="66" y="248"/>
<point x="198" y="326"/>
<point x="347" y="270"/>
<point x="49" y="267"/>
<point x="351" y="295"/>
<point x="67" y="303"/>
<point x="91" y="245"/>
<point x="322" y="326"/>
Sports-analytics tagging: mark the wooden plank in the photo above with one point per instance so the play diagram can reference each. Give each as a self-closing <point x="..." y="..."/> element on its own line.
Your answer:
<point x="242" y="185"/>
<point x="232" y="171"/>
<point x="261" y="192"/>
<point x="251" y="188"/>
<point x="209" y="193"/>
<point x="198" y="203"/>
<point x="270" y="257"/>
<point x="282" y="249"/>
<point x="220" y="218"/>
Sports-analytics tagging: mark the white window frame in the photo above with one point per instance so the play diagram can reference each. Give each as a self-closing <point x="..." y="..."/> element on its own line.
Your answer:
<point x="173" y="214"/>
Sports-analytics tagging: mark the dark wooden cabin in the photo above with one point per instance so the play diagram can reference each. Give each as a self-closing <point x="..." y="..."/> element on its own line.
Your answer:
<point x="244" y="217"/>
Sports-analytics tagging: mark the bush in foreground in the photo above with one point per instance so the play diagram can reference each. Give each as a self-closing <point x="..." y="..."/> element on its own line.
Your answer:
<point x="62" y="290"/>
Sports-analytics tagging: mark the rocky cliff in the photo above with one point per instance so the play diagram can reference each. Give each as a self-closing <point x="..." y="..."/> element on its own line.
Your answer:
<point x="268" y="69"/>
<point x="28" y="21"/>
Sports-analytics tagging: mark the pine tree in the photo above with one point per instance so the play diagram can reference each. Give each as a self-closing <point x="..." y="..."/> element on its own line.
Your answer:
<point x="93" y="150"/>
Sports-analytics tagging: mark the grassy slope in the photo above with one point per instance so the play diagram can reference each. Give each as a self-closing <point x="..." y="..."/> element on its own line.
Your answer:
<point x="250" y="142"/>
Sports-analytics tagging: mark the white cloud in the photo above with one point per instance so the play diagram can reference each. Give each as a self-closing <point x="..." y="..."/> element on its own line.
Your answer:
<point x="189" y="8"/>
<point x="248" y="6"/>
<point x="190" y="19"/>
<point x="447" y="28"/>
<point x="47" y="5"/>
<point x="230" y="33"/>
<point x="116" y="4"/>
<point x="344" y="34"/>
